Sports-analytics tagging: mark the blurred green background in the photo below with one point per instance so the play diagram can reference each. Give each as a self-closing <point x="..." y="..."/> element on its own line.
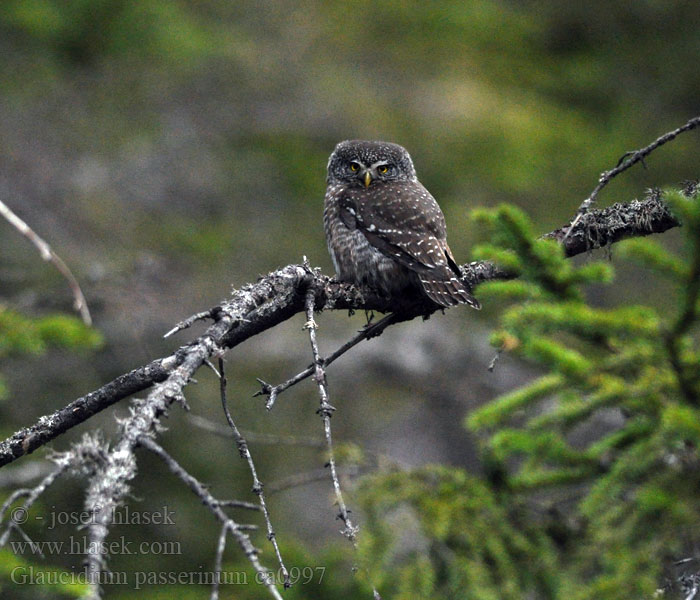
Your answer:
<point x="170" y="149"/>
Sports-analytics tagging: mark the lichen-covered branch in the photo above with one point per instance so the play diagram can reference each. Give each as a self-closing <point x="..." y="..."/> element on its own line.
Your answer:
<point x="279" y="295"/>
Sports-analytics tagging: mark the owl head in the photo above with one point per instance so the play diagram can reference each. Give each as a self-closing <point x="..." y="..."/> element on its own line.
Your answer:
<point x="363" y="163"/>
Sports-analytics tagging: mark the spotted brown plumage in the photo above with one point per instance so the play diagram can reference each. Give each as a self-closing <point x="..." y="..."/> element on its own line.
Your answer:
<point x="384" y="229"/>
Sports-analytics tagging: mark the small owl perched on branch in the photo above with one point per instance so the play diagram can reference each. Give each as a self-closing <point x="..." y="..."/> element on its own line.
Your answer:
<point x="383" y="228"/>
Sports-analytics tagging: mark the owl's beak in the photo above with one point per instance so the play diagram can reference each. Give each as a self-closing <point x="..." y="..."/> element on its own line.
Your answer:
<point x="367" y="179"/>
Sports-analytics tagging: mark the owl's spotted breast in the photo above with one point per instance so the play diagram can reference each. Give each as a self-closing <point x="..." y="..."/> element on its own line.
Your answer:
<point x="355" y="259"/>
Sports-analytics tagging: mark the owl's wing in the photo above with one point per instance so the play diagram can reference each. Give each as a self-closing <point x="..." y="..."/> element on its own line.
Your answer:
<point x="403" y="221"/>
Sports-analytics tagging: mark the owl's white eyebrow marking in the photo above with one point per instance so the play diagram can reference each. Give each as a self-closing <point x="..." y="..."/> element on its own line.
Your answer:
<point x="379" y="163"/>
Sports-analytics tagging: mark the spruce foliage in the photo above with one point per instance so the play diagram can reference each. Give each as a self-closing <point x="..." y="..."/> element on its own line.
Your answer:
<point x="591" y="471"/>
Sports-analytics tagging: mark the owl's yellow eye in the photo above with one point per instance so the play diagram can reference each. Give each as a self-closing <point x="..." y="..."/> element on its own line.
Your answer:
<point x="354" y="167"/>
<point x="382" y="169"/>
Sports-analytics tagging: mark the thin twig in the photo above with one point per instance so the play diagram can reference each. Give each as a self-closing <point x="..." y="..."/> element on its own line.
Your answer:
<point x="239" y="504"/>
<point x="629" y="159"/>
<point x="188" y="322"/>
<point x="326" y="412"/>
<point x="209" y="364"/>
<point x="494" y="360"/>
<point x="19" y="514"/>
<point x="214" y="506"/>
<point x="254" y="437"/>
<point x="257" y="484"/>
<point x="368" y="332"/>
<point x="299" y="479"/>
<point x="221" y="546"/>
<point x="47" y="253"/>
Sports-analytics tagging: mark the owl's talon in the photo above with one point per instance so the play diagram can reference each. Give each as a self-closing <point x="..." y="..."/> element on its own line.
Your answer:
<point x="326" y="410"/>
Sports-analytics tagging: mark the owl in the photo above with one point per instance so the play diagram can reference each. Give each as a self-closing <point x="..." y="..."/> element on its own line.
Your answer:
<point x="383" y="228"/>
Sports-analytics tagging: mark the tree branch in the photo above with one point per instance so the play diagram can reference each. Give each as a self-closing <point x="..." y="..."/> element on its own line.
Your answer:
<point x="279" y="295"/>
<point x="604" y="227"/>
<point x="627" y="160"/>
<point x="244" y="451"/>
<point x="47" y="253"/>
<point x="227" y="523"/>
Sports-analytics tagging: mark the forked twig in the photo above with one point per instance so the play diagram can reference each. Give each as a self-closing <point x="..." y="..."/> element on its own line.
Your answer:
<point x="18" y="515"/>
<point x="47" y="253"/>
<point x="188" y="322"/>
<point x="326" y="411"/>
<point x="228" y="524"/>
<point x="368" y="332"/>
<point x="628" y="159"/>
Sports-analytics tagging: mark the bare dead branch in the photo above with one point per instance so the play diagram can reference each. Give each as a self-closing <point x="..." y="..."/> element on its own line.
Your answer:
<point x="369" y="331"/>
<point x="50" y="426"/>
<point x="47" y="253"/>
<point x="110" y="484"/>
<point x="626" y="161"/>
<point x="254" y="437"/>
<point x="221" y="546"/>
<point x="279" y="295"/>
<point x="326" y="411"/>
<point x="602" y="228"/>
<point x="188" y="322"/>
<point x="214" y="506"/>
<point x="239" y="504"/>
<point x="257" y="484"/>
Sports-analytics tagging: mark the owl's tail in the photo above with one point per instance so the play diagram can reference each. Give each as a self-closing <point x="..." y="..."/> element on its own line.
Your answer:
<point x="447" y="292"/>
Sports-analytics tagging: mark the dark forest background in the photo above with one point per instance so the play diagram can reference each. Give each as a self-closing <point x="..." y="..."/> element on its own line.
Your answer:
<point x="169" y="150"/>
